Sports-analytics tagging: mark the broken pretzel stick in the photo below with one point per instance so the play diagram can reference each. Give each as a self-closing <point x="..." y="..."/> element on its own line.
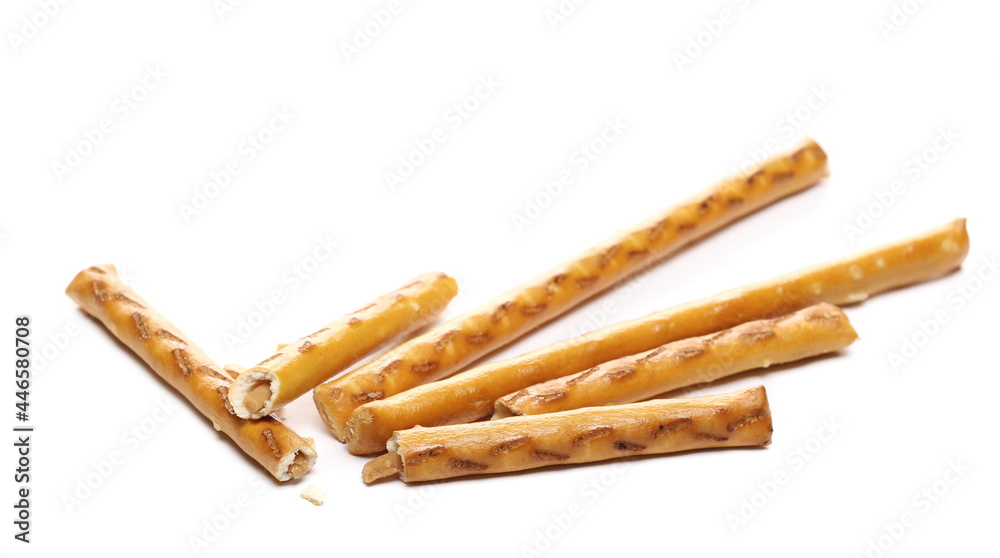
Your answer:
<point x="815" y="330"/>
<point x="741" y="418"/>
<point x="470" y="395"/>
<point x="102" y="294"/>
<point x="451" y="346"/>
<point x="300" y="366"/>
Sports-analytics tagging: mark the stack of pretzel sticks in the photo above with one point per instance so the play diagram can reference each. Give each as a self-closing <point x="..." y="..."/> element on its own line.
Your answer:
<point x="654" y="354"/>
<point x="458" y="342"/>
<point x="239" y="402"/>
<point x="380" y="405"/>
<point x="405" y="388"/>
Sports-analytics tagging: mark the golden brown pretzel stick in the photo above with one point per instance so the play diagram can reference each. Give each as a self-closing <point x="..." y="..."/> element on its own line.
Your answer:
<point x="470" y="395"/>
<point x="741" y="418"/>
<point x="100" y="292"/>
<point x="451" y="346"/>
<point x="812" y="331"/>
<point x="300" y="366"/>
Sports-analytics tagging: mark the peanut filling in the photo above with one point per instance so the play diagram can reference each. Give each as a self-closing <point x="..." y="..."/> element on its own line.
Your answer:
<point x="258" y="396"/>
<point x="299" y="466"/>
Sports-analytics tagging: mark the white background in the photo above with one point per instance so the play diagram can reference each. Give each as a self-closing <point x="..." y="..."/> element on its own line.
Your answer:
<point x="878" y="98"/>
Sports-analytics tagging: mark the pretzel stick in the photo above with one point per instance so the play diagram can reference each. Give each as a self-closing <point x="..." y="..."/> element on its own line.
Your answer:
<point x="101" y="293"/>
<point x="453" y="345"/>
<point x="298" y="367"/>
<point x="470" y="395"/>
<point x="815" y="330"/>
<point x="741" y="418"/>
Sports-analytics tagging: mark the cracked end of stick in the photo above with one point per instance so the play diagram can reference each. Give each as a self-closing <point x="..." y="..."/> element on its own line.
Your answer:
<point x="253" y="393"/>
<point x="381" y="467"/>
<point x="295" y="465"/>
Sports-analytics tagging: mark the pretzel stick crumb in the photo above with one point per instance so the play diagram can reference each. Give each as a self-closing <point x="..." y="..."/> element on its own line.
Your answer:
<point x="314" y="495"/>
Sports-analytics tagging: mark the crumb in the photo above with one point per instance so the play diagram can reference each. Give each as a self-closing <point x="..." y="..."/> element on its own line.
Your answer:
<point x="314" y="495"/>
